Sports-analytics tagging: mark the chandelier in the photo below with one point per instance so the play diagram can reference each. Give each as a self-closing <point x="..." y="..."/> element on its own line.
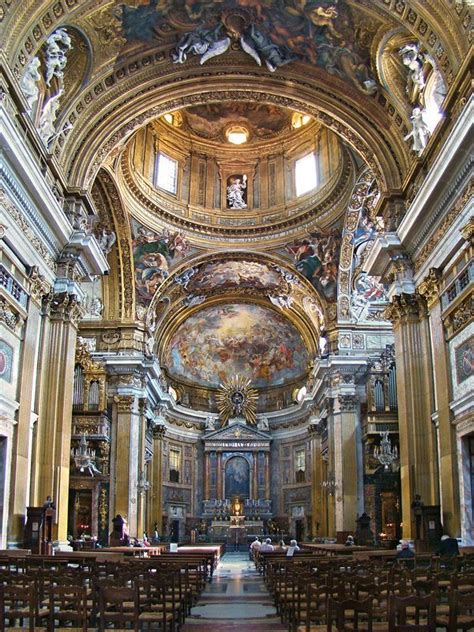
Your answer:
<point x="84" y="457"/>
<point x="385" y="453"/>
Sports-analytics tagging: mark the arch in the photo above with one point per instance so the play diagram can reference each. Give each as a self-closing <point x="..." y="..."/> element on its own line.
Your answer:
<point x="111" y="119"/>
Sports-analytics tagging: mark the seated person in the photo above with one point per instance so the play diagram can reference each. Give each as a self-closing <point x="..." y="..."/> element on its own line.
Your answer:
<point x="282" y="545"/>
<point x="267" y="546"/>
<point x="448" y="546"/>
<point x="293" y="548"/>
<point x="255" y="546"/>
<point x="405" y="553"/>
<point x="349" y="541"/>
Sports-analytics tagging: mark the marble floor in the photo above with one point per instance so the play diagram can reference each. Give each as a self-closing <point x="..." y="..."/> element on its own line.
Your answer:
<point x="235" y="600"/>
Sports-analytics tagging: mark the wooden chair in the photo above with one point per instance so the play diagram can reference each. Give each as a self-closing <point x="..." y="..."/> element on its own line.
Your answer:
<point x="114" y="608"/>
<point x="412" y="613"/>
<point x="17" y="604"/>
<point x="314" y="610"/>
<point x="68" y="605"/>
<point x="461" y="612"/>
<point x="154" y="606"/>
<point x="347" y="615"/>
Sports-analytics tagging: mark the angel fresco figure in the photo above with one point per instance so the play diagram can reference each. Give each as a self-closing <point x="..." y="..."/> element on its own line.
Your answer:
<point x="203" y="41"/>
<point x="235" y="192"/>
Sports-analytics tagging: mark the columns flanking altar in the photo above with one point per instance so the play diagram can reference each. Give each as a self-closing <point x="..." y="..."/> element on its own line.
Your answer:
<point x="236" y="465"/>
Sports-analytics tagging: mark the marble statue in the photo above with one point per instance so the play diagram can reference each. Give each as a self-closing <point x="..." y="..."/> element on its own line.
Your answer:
<point x="206" y="42"/>
<point x="48" y="116"/>
<point x="29" y="82"/>
<point x="413" y="60"/>
<point x="419" y="132"/>
<point x="211" y="422"/>
<point x="235" y="192"/>
<point x="262" y="424"/>
<point x="96" y="307"/>
<point x="106" y="240"/>
<point x="57" y="45"/>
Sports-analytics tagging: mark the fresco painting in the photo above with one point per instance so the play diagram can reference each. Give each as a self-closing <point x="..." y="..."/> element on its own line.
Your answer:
<point x="154" y="254"/>
<point x="229" y="274"/>
<point x="221" y="341"/>
<point x="275" y="32"/>
<point x="317" y="258"/>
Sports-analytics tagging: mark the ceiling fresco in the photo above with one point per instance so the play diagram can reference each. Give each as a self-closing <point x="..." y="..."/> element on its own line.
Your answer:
<point x="221" y="341"/>
<point x="272" y="32"/>
<point x="229" y="274"/>
<point x="263" y="120"/>
<point x="154" y="255"/>
<point x="317" y="258"/>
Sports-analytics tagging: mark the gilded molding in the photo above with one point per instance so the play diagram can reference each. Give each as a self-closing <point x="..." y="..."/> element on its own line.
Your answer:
<point x="8" y="315"/>
<point x="39" y="287"/>
<point x="21" y="221"/>
<point x="461" y="316"/>
<point x="449" y="219"/>
<point x="467" y="231"/>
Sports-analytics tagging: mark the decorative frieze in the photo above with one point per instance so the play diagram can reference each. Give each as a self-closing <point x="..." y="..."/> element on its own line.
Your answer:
<point x="460" y="316"/>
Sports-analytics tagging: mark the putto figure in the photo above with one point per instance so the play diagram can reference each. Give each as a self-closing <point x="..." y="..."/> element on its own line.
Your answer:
<point x="235" y="192"/>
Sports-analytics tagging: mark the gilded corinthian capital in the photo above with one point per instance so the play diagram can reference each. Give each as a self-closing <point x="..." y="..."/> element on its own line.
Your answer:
<point x="429" y="287"/>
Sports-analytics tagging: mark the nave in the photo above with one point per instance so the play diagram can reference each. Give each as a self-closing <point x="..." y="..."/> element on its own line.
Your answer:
<point x="237" y="599"/>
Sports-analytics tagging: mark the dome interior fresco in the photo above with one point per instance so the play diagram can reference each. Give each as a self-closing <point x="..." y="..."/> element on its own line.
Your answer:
<point x="223" y="340"/>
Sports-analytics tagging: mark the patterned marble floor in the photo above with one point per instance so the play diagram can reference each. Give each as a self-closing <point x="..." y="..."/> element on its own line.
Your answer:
<point x="235" y="600"/>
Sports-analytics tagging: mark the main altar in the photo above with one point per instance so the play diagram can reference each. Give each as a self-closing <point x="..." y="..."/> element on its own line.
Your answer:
<point x="237" y="468"/>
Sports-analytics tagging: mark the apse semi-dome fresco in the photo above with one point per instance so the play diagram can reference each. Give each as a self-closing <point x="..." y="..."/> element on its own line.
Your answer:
<point x="224" y="340"/>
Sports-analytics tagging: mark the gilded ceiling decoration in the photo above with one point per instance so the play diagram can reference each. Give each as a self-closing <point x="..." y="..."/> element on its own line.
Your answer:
<point x="223" y="340"/>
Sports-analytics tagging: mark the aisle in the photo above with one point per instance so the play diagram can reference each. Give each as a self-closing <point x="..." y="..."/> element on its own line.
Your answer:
<point x="237" y="599"/>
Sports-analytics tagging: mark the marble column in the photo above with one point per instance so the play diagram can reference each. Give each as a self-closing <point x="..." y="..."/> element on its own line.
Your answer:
<point x="22" y="456"/>
<point x="418" y="459"/>
<point x="219" y="476"/>
<point x="207" y="476"/>
<point x="267" y="475"/>
<point x="55" y="411"/>
<point x="317" y="515"/>
<point x="156" y="495"/>
<point x="446" y="439"/>
<point x="346" y="467"/>
<point x="127" y="459"/>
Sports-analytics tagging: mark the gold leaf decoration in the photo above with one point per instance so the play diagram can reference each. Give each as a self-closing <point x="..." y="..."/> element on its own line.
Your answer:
<point x="237" y="398"/>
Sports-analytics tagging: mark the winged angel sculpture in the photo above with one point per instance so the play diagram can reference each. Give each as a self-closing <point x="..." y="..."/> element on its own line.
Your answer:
<point x="210" y="42"/>
<point x="207" y="42"/>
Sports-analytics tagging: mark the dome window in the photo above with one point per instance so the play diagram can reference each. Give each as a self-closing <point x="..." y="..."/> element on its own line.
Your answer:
<point x="237" y="134"/>
<point x="306" y="178"/>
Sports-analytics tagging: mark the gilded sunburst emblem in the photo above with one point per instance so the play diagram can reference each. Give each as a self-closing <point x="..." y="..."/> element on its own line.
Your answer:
<point x="237" y="398"/>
